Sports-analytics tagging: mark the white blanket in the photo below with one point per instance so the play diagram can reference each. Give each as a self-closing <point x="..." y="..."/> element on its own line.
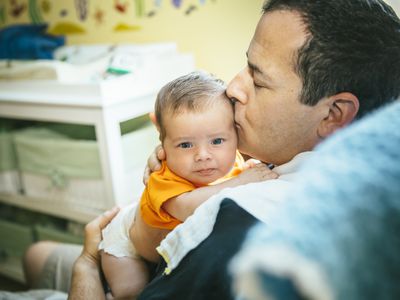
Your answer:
<point x="259" y="199"/>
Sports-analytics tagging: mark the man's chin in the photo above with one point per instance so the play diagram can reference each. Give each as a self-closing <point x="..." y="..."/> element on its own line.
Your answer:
<point x="250" y="153"/>
<point x="246" y="153"/>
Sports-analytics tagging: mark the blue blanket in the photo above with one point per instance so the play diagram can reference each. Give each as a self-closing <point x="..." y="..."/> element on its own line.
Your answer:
<point x="338" y="234"/>
<point x="28" y="42"/>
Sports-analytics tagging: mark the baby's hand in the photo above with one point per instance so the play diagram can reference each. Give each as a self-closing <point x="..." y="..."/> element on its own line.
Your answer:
<point x="256" y="173"/>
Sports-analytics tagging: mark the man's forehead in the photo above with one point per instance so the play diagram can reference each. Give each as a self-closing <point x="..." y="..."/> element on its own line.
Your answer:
<point x="281" y="27"/>
<point x="266" y="64"/>
<point x="259" y="69"/>
<point x="277" y="39"/>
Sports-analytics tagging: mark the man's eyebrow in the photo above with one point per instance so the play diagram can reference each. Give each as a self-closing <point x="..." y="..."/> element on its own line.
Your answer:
<point x="256" y="69"/>
<point x="252" y="66"/>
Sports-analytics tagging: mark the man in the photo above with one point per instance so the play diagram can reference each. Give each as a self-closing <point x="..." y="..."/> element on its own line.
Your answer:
<point x="305" y="79"/>
<point x="324" y="239"/>
<point x="313" y="66"/>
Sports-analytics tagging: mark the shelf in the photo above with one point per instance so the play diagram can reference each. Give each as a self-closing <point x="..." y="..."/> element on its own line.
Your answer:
<point x="11" y="267"/>
<point x="146" y="80"/>
<point x="57" y="209"/>
<point x="103" y="104"/>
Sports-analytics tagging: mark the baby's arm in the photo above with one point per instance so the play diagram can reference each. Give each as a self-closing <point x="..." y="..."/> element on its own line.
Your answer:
<point x="183" y="206"/>
<point x="146" y="238"/>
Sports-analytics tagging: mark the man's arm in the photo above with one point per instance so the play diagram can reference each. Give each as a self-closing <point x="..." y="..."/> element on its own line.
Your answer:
<point x="86" y="281"/>
<point x="183" y="206"/>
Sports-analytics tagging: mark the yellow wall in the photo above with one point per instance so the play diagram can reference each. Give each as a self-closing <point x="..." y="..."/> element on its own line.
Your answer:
<point x="395" y="4"/>
<point x="217" y="32"/>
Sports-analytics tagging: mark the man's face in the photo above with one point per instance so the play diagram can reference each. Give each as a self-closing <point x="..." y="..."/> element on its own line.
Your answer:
<point x="273" y="126"/>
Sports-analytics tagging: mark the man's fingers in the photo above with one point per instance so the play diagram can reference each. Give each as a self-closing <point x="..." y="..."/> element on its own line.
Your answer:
<point x="93" y="235"/>
<point x="146" y="175"/>
<point x="160" y="152"/>
<point x="107" y="216"/>
<point x="153" y="162"/>
<point x="101" y="221"/>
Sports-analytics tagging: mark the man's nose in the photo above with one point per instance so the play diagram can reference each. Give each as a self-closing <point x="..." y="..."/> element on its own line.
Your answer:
<point x="236" y="90"/>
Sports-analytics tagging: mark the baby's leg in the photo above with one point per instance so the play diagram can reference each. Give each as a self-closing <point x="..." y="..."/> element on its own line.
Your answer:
<point x="126" y="276"/>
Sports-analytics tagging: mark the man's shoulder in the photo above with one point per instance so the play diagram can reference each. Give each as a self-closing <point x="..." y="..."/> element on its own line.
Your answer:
<point x="292" y="167"/>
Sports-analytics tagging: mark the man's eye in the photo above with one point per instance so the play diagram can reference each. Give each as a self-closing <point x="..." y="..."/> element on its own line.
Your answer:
<point x="217" y="141"/>
<point x="185" y="145"/>
<point x="257" y="86"/>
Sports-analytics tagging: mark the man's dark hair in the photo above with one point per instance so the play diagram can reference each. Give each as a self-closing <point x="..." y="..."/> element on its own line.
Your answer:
<point x="352" y="46"/>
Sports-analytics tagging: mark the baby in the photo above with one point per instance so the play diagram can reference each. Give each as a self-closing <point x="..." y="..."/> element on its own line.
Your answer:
<point x="195" y="120"/>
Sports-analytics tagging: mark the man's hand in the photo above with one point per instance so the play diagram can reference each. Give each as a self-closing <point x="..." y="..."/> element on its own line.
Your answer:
<point x="154" y="162"/>
<point x="93" y="235"/>
<point x="86" y="282"/>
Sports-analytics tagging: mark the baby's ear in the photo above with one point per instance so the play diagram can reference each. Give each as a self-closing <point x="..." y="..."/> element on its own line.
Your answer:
<point x="152" y="117"/>
<point x="153" y="120"/>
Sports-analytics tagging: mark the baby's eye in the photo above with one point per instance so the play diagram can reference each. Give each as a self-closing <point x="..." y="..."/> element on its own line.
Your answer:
<point x="185" y="145"/>
<point x="217" y="141"/>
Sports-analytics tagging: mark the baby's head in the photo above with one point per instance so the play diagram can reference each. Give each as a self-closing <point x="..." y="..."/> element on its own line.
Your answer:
<point x="196" y="124"/>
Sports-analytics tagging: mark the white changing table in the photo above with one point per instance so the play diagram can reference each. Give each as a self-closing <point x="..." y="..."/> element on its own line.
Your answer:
<point x="104" y="105"/>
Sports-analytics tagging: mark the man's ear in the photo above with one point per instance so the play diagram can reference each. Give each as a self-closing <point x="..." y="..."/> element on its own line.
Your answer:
<point x="342" y="109"/>
<point x="153" y="120"/>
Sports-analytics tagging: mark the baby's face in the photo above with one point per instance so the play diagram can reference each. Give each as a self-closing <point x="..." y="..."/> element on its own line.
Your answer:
<point x="201" y="146"/>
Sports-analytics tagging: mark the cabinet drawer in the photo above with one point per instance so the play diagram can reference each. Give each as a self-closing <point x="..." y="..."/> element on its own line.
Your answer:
<point x="14" y="238"/>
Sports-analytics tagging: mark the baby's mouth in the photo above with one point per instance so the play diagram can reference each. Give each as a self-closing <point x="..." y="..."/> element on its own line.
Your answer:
<point x="206" y="172"/>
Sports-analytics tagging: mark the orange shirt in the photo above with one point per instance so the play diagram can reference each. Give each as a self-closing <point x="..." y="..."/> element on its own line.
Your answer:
<point x="164" y="185"/>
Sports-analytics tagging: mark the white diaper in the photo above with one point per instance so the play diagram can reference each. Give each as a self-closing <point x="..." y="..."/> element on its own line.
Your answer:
<point x="116" y="235"/>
